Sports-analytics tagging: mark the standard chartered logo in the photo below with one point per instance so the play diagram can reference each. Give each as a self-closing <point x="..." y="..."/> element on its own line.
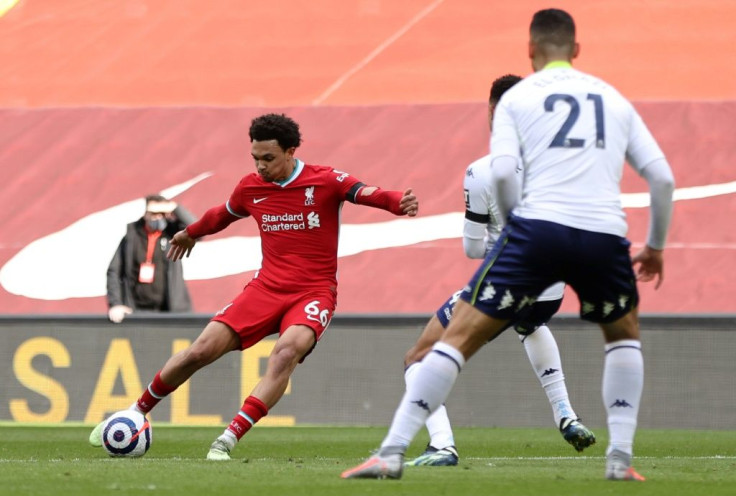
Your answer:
<point x="289" y="222"/>
<point x="313" y="220"/>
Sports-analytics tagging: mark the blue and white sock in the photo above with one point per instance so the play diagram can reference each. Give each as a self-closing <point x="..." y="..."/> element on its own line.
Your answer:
<point x="623" y="381"/>
<point x="544" y="355"/>
<point x="438" y="424"/>
<point x="429" y="388"/>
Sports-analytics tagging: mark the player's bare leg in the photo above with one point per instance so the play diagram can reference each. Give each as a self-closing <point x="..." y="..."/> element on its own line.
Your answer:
<point x="430" y="335"/>
<point x="214" y="341"/>
<point x="440" y="450"/>
<point x="290" y="348"/>
<point x="468" y="331"/>
<point x="623" y="381"/>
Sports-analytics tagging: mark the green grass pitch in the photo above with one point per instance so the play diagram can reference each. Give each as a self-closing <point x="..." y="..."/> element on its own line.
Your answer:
<point x="309" y="460"/>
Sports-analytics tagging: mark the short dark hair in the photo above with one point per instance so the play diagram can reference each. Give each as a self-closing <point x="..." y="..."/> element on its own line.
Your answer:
<point x="500" y="85"/>
<point x="277" y="127"/>
<point x="553" y="27"/>
<point x="155" y="198"/>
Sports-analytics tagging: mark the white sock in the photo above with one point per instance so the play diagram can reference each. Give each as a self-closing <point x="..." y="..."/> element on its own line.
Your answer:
<point x="438" y="424"/>
<point x="228" y="438"/>
<point x="134" y="406"/>
<point x="544" y="355"/>
<point x="623" y="381"/>
<point x="429" y="388"/>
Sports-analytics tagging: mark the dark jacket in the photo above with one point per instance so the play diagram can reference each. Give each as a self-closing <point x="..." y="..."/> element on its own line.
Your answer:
<point x="122" y="274"/>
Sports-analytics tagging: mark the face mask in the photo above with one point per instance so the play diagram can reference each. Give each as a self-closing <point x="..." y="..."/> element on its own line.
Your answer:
<point x="156" y="224"/>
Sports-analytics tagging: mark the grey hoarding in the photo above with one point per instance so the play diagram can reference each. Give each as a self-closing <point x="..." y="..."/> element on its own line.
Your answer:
<point x="64" y="369"/>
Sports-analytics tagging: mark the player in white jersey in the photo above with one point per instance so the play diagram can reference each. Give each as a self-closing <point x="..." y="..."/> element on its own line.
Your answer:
<point x="571" y="133"/>
<point x="482" y="227"/>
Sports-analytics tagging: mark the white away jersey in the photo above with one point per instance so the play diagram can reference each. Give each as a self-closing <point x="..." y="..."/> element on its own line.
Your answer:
<point x="572" y="133"/>
<point x="480" y="204"/>
<point x="481" y="207"/>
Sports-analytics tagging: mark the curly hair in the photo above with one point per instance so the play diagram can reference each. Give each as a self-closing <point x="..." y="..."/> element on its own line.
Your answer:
<point x="277" y="127"/>
<point x="500" y="85"/>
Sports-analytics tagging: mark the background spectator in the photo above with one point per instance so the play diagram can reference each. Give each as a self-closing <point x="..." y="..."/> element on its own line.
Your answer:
<point x="140" y="277"/>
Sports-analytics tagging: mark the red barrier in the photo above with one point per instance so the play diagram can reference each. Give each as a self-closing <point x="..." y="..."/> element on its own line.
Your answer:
<point x="60" y="166"/>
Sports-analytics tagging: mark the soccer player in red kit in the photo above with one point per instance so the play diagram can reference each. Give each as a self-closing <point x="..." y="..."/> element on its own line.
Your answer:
<point x="297" y="209"/>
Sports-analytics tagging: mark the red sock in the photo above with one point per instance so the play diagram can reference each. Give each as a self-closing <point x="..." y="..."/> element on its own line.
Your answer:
<point x="251" y="412"/>
<point x="155" y="392"/>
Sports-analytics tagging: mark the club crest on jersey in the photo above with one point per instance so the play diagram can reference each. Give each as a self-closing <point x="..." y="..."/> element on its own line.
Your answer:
<point x="309" y="196"/>
<point x="313" y="220"/>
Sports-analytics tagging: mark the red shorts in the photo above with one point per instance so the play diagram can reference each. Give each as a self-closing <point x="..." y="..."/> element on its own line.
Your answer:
<point x="258" y="312"/>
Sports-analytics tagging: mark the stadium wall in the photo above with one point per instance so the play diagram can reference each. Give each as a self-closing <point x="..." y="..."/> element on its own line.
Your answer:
<point x="79" y="369"/>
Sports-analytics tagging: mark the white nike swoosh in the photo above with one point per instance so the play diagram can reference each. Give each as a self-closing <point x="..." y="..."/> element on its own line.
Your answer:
<point x="91" y="241"/>
<point x="259" y="200"/>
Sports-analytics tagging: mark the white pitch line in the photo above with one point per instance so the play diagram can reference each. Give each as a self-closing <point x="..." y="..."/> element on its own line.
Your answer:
<point x="331" y="459"/>
<point x="556" y="458"/>
<point x="380" y="48"/>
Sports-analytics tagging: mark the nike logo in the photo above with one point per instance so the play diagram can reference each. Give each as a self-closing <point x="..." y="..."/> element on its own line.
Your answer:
<point x="259" y="200"/>
<point x="91" y="240"/>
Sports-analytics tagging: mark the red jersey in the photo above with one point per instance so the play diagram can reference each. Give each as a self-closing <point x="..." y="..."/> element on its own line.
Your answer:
<point x="299" y="223"/>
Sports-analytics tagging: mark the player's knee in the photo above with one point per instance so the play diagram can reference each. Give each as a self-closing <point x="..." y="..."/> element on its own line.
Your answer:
<point x="197" y="356"/>
<point x="411" y="357"/>
<point x="418" y="352"/>
<point x="285" y="357"/>
<point x="430" y="335"/>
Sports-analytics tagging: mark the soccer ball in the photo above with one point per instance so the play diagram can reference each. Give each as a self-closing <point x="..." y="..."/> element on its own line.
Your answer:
<point x="127" y="433"/>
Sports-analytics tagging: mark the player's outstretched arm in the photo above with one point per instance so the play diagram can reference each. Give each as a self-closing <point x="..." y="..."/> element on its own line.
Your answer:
<point x="214" y="220"/>
<point x="396" y="202"/>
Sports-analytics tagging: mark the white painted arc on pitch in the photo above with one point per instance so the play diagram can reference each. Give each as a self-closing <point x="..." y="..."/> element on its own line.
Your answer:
<point x="585" y="457"/>
<point x="376" y="51"/>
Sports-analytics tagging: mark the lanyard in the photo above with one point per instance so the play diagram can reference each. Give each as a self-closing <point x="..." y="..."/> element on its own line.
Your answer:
<point x="152" y="238"/>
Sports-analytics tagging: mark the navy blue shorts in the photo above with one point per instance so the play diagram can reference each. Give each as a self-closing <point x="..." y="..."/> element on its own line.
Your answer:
<point x="444" y="313"/>
<point x="537" y="314"/>
<point x="530" y="255"/>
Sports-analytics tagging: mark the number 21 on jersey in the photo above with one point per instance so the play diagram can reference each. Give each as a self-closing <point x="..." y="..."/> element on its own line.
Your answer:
<point x="561" y="140"/>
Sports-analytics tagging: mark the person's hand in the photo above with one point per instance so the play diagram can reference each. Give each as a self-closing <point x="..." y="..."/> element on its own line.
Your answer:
<point x="651" y="265"/>
<point x="409" y="203"/>
<point x="181" y="245"/>
<point x="117" y="313"/>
